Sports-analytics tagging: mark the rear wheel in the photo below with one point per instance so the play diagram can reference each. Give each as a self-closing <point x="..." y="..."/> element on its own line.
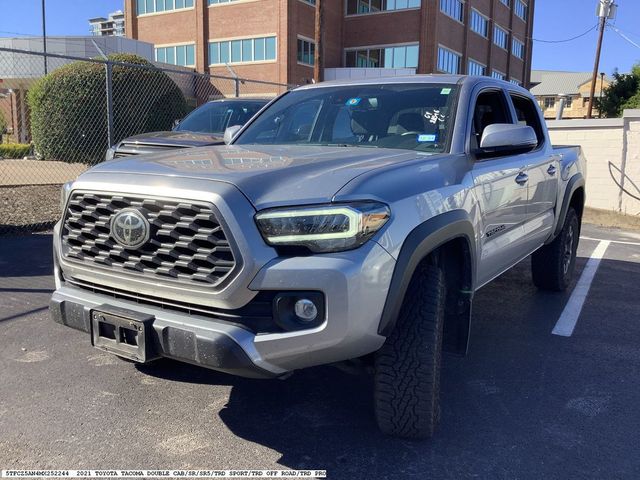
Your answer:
<point x="553" y="265"/>
<point x="407" y="367"/>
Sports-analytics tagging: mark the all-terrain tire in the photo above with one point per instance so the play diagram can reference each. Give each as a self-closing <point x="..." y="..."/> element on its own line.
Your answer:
<point x="553" y="265"/>
<point x="407" y="367"/>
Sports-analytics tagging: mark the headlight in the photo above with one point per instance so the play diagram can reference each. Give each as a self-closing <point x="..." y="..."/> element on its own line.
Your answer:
<point x="111" y="152"/>
<point x="323" y="228"/>
<point x="64" y="194"/>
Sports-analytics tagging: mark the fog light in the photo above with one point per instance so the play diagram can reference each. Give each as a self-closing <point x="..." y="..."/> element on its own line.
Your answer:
<point x="306" y="310"/>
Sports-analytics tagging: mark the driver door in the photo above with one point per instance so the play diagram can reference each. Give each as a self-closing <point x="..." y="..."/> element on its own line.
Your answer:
<point x="498" y="186"/>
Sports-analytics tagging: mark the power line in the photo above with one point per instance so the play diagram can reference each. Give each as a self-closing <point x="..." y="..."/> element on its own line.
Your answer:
<point x="619" y="32"/>
<point x="591" y="29"/>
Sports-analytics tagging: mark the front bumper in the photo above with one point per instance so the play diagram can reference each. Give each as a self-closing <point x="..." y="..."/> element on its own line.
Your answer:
<point x="354" y="285"/>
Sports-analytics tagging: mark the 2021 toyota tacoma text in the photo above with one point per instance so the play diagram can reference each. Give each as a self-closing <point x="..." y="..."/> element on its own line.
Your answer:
<point x="347" y="220"/>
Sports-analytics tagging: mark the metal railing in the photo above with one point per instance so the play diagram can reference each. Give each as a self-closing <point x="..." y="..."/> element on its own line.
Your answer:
<point x="66" y="120"/>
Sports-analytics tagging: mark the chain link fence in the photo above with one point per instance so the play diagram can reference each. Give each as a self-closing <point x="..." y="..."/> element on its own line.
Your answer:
<point x="58" y="125"/>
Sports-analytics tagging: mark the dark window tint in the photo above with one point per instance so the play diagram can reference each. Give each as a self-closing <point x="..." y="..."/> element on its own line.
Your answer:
<point x="215" y="117"/>
<point x="490" y="108"/>
<point x="527" y="113"/>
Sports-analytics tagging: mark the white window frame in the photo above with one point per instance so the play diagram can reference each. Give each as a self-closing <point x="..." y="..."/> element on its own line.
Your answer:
<point x="175" y="53"/>
<point x="308" y="40"/>
<point x="253" y="46"/>
<point x="379" y="47"/>
<point x="521" y="7"/>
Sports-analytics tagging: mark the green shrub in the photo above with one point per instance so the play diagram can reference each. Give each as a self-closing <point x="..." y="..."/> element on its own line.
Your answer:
<point x="69" y="107"/>
<point x="14" y="150"/>
<point x="3" y="124"/>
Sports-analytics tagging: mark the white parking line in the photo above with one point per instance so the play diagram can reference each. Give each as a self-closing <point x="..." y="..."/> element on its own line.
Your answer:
<point x="567" y="321"/>
<point x="622" y="242"/>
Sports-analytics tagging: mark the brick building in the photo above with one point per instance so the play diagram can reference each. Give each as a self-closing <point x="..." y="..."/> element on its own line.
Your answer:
<point x="272" y="40"/>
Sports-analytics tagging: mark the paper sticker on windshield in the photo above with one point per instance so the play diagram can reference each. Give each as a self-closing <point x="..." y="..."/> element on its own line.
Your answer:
<point x="426" y="138"/>
<point x="352" y="102"/>
<point x="445" y="91"/>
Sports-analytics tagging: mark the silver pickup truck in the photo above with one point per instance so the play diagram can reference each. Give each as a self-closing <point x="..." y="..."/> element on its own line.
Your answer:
<point x="347" y="221"/>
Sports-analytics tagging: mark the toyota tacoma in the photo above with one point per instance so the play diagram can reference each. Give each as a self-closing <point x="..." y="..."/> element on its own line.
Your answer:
<point x="347" y="221"/>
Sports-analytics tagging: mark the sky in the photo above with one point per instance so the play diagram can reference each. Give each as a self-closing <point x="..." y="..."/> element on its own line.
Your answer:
<point x="554" y="20"/>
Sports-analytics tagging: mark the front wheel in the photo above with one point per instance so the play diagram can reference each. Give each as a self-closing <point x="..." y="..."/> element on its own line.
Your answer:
<point x="407" y="367"/>
<point x="553" y="265"/>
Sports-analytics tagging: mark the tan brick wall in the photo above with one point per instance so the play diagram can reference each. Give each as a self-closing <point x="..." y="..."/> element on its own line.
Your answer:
<point x="612" y="150"/>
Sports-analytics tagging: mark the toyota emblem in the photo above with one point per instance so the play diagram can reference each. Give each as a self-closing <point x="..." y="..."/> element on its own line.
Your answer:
<point x="130" y="228"/>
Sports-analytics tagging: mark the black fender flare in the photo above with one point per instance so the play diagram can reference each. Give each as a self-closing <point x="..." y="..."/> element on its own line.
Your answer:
<point x="423" y="240"/>
<point x="574" y="183"/>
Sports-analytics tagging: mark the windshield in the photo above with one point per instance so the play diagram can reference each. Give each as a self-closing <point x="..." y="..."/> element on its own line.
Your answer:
<point x="215" y="117"/>
<point x="407" y="116"/>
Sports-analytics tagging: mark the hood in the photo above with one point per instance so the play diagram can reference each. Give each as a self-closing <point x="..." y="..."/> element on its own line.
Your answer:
<point x="267" y="175"/>
<point x="173" y="139"/>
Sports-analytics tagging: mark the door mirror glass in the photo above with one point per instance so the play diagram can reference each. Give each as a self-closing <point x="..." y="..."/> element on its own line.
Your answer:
<point x="231" y="132"/>
<point x="507" y="138"/>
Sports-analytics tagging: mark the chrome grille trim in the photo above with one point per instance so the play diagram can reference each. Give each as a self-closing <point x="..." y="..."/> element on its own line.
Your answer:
<point x="188" y="244"/>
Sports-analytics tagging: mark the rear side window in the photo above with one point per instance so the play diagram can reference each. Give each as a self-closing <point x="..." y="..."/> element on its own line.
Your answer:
<point x="527" y="113"/>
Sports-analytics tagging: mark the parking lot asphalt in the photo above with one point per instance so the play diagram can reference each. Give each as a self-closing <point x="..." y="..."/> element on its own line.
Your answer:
<point x="523" y="404"/>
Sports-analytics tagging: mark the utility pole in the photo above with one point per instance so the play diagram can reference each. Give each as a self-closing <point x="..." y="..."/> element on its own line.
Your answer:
<point x="606" y="10"/>
<point x="44" y="37"/>
<point x="318" y="57"/>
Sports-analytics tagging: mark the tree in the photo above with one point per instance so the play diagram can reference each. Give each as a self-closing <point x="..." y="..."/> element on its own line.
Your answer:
<point x="69" y="107"/>
<point x="623" y="93"/>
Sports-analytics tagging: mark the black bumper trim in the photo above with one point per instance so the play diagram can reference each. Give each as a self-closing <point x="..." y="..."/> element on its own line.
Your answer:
<point x="218" y="351"/>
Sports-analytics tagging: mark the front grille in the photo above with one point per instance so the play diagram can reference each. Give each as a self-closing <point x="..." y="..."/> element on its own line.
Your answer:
<point x="186" y="244"/>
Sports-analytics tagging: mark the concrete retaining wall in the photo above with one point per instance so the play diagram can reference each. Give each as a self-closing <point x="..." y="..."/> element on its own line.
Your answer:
<point x="612" y="148"/>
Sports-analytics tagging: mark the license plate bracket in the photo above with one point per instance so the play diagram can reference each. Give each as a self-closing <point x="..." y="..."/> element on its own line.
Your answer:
<point x="123" y="332"/>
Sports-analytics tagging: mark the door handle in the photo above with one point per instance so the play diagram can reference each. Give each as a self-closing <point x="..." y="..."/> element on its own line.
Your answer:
<point x="522" y="178"/>
<point x="552" y="170"/>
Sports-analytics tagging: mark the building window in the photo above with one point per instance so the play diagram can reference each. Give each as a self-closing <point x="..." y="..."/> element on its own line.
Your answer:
<point x="568" y="102"/>
<point x="506" y="2"/>
<point x="453" y="8"/>
<point x="306" y="52"/>
<point x="516" y="82"/>
<point x="549" y="102"/>
<point x="479" y="23"/>
<point x="498" y="75"/>
<point x="403" y="56"/>
<point x="358" y="7"/>
<point x="520" y="9"/>
<point x="476" y="68"/>
<point x="310" y="2"/>
<point x="184" y="55"/>
<point x="500" y="37"/>
<point x="242" y="50"/>
<point x="217" y="2"/>
<point x="155" y="6"/>
<point x="517" y="48"/>
<point x="448" y="61"/>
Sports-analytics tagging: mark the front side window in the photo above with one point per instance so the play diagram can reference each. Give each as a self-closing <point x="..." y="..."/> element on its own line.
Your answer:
<point x="490" y="109"/>
<point x="359" y="7"/>
<point x="215" y="117"/>
<point x="448" y="61"/>
<point x="406" y="116"/>
<point x="401" y="56"/>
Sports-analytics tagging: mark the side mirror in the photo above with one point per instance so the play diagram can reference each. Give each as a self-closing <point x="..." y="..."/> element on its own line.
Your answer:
<point x="507" y="137"/>
<point x="230" y="132"/>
